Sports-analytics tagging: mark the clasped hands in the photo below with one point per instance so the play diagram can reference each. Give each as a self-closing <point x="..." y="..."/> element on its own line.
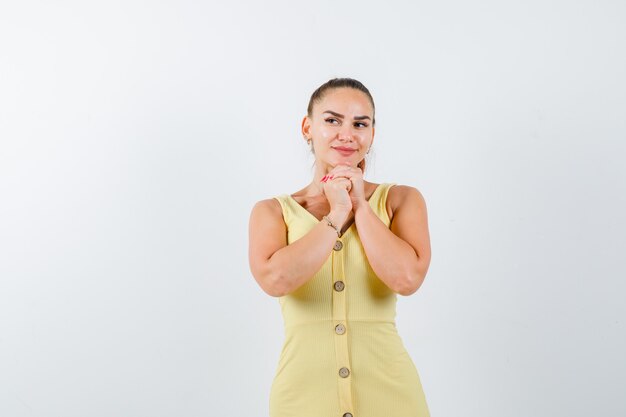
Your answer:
<point x="348" y="178"/>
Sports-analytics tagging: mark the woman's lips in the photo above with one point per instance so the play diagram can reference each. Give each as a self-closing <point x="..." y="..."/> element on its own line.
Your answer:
<point x="345" y="152"/>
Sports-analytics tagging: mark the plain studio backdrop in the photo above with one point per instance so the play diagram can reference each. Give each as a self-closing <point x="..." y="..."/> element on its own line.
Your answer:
<point x="135" y="137"/>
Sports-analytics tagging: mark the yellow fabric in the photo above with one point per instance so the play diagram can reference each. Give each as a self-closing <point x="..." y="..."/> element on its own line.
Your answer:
<point x="382" y="379"/>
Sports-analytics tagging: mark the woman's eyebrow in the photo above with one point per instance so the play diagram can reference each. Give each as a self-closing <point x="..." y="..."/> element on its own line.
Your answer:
<point x="342" y="116"/>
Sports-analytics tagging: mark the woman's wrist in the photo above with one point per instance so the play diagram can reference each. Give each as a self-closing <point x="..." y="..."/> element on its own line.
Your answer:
<point x="338" y="217"/>
<point x="359" y="206"/>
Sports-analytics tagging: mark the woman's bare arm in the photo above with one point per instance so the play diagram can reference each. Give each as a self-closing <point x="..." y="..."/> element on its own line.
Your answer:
<point x="399" y="255"/>
<point x="280" y="268"/>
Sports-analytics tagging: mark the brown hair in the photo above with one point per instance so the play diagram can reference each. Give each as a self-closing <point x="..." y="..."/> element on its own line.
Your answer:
<point x="331" y="84"/>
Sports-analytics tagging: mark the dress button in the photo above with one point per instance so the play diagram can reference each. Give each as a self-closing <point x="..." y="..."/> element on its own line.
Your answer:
<point x="344" y="372"/>
<point x="347" y="414"/>
<point x="339" y="286"/>
<point x="340" y="329"/>
<point x="338" y="245"/>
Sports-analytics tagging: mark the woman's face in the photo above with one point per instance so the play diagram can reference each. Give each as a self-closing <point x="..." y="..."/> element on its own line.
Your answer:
<point x="340" y="127"/>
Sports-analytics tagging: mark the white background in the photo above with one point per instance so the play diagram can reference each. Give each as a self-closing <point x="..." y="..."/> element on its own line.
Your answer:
<point x="135" y="138"/>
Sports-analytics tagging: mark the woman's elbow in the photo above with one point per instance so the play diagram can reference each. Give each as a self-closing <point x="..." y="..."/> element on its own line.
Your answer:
<point x="274" y="285"/>
<point x="410" y="284"/>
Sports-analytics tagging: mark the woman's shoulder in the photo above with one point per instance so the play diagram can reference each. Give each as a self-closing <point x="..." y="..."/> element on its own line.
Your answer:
<point x="399" y="194"/>
<point x="269" y="207"/>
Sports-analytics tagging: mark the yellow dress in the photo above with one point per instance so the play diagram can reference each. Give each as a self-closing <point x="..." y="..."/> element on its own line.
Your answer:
<point x="342" y="355"/>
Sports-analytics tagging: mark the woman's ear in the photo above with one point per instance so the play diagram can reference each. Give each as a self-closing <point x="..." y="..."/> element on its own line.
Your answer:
<point x="306" y="127"/>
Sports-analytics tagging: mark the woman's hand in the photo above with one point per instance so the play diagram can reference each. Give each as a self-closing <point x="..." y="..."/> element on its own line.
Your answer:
<point x="356" y="190"/>
<point x="336" y="188"/>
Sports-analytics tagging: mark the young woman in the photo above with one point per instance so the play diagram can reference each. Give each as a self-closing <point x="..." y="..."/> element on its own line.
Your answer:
<point x="337" y="253"/>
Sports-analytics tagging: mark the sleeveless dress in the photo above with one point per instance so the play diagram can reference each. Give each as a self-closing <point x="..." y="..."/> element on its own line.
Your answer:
<point x="342" y="355"/>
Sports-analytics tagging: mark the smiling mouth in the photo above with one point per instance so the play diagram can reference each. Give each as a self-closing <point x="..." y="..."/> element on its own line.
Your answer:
<point x="345" y="152"/>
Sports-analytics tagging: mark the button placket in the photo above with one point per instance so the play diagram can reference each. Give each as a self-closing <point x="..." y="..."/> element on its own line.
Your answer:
<point x="340" y="329"/>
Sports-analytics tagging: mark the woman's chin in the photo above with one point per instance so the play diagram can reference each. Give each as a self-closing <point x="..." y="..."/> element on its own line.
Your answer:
<point x="344" y="162"/>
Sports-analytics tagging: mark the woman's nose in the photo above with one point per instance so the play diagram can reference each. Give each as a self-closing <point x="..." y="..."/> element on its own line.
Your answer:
<point x="346" y="133"/>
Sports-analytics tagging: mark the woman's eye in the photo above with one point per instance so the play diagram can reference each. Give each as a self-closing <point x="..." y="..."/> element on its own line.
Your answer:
<point x="362" y="124"/>
<point x="331" y="119"/>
